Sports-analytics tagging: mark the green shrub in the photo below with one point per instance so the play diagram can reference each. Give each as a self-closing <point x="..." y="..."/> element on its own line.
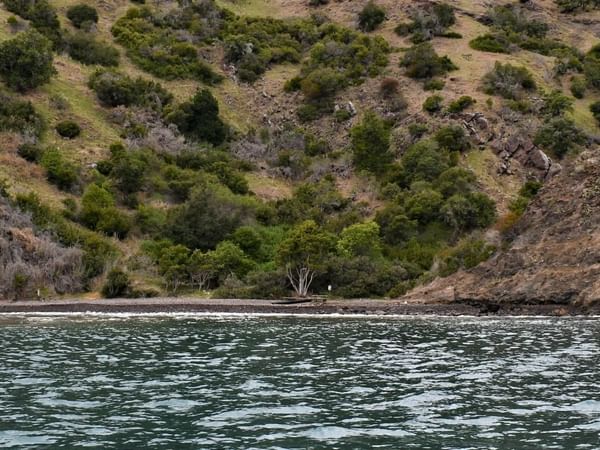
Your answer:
<point x="19" y="116"/>
<point x="26" y="61"/>
<point x="559" y="135"/>
<point x="341" y="58"/>
<point x="370" y="144"/>
<point x="421" y="61"/>
<point x="452" y="138"/>
<point x="433" y="104"/>
<point x="59" y="171"/>
<point x="508" y="81"/>
<point x="84" y="48"/>
<point x="342" y="115"/>
<point x="68" y="129"/>
<point x="199" y="119"/>
<point x="578" y="86"/>
<point x="556" y="104"/>
<point x="117" y="284"/>
<point x="429" y="21"/>
<point x="321" y="83"/>
<point x="30" y="152"/>
<point x="81" y="14"/>
<point x="115" y="89"/>
<point x="466" y="255"/>
<point x="424" y="161"/>
<point x="150" y="220"/>
<point x="469" y="211"/>
<point x="591" y="66"/>
<point x="417" y="130"/>
<point x="308" y="113"/>
<point x="206" y="218"/>
<point x="490" y="43"/>
<point x="435" y="84"/>
<point x="522" y="106"/>
<point x="371" y="17"/>
<point x="461" y="104"/>
<point x="99" y="213"/>
<point x="569" y="6"/>
<point x="595" y="109"/>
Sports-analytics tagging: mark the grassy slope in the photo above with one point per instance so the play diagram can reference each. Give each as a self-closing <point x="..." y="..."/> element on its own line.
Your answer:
<point x="239" y="102"/>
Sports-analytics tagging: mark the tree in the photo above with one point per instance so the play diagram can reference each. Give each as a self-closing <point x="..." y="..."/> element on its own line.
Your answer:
<point x="370" y="144"/>
<point x="370" y="17"/>
<point x="424" y="206"/>
<point x="201" y="269"/>
<point x="205" y="219"/>
<point x="26" y="61"/>
<point x="303" y="254"/>
<point x="173" y="266"/>
<point x="360" y="239"/>
<point x="424" y="161"/>
<point x="230" y="260"/>
<point x="469" y="211"/>
<point x="198" y="119"/>
<point x="82" y="15"/>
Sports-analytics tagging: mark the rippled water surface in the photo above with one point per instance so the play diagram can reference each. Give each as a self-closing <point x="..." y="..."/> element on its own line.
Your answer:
<point x="298" y="383"/>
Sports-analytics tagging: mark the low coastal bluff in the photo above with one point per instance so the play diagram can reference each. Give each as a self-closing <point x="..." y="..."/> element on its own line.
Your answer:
<point x="551" y="256"/>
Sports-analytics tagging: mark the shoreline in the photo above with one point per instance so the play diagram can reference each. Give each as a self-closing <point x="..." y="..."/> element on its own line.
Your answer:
<point x="330" y="307"/>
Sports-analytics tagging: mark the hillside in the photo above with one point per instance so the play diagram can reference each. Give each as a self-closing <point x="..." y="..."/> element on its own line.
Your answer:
<point x="252" y="148"/>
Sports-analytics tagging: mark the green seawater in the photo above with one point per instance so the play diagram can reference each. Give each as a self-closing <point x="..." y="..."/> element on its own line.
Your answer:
<point x="242" y="382"/>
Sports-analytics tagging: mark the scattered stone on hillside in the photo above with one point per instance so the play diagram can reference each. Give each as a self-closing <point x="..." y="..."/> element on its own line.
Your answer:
<point x="478" y="128"/>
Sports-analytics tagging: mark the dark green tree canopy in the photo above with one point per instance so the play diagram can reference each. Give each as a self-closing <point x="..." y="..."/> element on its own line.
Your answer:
<point x="198" y="119"/>
<point x="26" y="61"/>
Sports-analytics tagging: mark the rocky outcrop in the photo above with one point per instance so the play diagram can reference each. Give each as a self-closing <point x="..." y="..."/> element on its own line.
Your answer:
<point x="554" y="252"/>
<point x="519" y="147"/>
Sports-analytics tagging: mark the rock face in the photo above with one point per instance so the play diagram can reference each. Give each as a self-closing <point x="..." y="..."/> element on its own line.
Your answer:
<point x="554" y="253"/>
<point x="519" y="147"/>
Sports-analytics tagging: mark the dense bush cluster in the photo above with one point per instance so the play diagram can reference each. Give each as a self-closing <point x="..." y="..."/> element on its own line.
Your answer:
<point x="59" y="171"/>
<point x="115" y="89"/>
<point x="82" y="16"/>
<point x="19" y="116"/>
<point x="429" y="21"/>
<point x="508" y="81"/>
<point x="86" y="49"/>
<point x="198" y="118"/>
<point x="154" y="46"/>
<point x="252" y="45"/>
<point x="371" y="16"/>
<point x="341" y="58"/>
<point x="512" y="27"/>
<point x="569" y="6"/>
<point x="422" y="61"/>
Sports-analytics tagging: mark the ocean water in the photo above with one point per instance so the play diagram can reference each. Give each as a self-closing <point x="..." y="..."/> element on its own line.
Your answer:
<point x="244" y="382"/>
